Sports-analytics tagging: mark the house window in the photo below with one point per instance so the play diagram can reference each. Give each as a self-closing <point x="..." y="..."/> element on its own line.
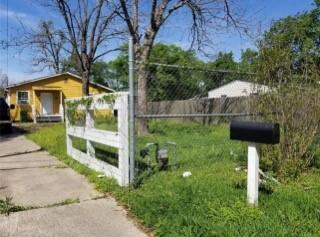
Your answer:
<point x="23" y="97"/>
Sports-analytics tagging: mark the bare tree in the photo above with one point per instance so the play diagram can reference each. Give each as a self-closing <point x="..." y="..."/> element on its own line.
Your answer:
<point x="206" y="17"/>
<point x="46" y="42"/>
<point x="4" y="81"/>
<point x="89" y="26"/>
<point x="49" y="45"/>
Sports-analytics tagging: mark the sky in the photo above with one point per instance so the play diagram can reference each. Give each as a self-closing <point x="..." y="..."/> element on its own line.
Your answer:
<point x="18" y="64"/>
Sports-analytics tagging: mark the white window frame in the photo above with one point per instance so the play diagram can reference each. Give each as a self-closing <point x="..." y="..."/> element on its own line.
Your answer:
<point x="27" y="101"/>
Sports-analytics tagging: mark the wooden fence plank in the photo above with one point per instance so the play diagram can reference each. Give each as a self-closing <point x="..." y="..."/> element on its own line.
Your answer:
<point x="123" y="128"/>
<point x="92" y="135"/>
<point x="96" y="135"/>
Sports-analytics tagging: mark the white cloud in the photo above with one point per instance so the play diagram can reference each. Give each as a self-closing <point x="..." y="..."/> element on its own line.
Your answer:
<point x="17" y="17"/>
<point x="18" y="76"/>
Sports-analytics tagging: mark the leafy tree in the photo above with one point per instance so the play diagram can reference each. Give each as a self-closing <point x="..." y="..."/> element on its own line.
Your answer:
<point x="204" y="18"/>
<point x="172" y="54"/>
<point x="98" y="74"/>
<point x="249" y="60"/>
<point x="222" y="71"/>
<point x="172" y="83"/>
<point x="289" y="63"/>
<point x="71" y="64"/>
<point x="165" y="82"/>
<point x="223" y="61"/>
<point x="117" y="70"/>
<point x="291" y="48"/>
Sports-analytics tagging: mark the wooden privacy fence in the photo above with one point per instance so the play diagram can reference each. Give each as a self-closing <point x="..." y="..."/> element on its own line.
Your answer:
<point x="234" y="105"/>
<point x="119" y="139"/>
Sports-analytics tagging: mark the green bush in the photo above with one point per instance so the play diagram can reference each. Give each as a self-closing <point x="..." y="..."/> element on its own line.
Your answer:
<point x="315" y="149"/>
<point x="288" y="63"/>
<point x="297" y="109"/>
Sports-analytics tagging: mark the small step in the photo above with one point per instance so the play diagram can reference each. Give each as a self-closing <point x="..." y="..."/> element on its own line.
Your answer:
<point x="49" y="118"/>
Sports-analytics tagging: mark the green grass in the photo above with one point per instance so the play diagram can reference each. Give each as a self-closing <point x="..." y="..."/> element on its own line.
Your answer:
<point x="7" y="206"/>
<point x="109" y="123"/>
<point x="209" y="203"/>
<point x="102" y="152"/>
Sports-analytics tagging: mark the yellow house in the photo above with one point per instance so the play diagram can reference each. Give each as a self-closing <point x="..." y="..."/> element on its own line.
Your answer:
<point x="42" y="99"/>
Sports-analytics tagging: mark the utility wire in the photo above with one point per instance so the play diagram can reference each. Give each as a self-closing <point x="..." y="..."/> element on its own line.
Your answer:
<point x="7" y="32"/>
<point x="195" y="68"/>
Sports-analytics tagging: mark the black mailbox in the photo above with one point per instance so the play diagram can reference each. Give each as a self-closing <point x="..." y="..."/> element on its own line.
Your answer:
<point x="267" y="133"/>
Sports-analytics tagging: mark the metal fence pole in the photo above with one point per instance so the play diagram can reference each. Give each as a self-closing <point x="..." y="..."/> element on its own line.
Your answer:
<point x="131" y="111"/>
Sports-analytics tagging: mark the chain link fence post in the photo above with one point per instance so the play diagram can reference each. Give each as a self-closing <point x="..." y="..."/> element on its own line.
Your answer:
<point x="131" y="110"/>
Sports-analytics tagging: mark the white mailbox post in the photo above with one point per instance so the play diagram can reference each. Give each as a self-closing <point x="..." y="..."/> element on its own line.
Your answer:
<point x="254" y="133"/>
<point x="253" y="174"/>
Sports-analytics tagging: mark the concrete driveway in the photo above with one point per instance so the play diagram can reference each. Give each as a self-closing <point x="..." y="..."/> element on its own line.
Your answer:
<point x="16" y="144"/>
<point x="33" y="178"/>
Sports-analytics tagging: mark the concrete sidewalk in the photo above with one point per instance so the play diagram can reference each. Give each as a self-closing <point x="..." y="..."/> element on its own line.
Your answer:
<point x="36" y="179"/>
<point x="91" y="218"/>
<point x="15" y="144"/>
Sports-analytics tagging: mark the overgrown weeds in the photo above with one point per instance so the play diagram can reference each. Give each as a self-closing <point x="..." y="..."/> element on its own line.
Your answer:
<point x="7" y="206"/>
<point x="296" y="108"/>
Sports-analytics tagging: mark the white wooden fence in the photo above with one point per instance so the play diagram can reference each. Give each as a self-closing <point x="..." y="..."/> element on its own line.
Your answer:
<point x="118" y="139"/>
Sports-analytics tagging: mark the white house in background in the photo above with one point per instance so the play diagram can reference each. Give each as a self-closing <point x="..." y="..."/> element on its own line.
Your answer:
<point x="237" y="88"/>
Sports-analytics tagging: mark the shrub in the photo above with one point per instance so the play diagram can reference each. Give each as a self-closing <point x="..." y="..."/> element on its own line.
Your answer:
<point x="297" y="109"/>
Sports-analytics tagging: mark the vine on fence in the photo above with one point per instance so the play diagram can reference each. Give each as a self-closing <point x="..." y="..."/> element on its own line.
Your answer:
<point x="77" y="116"/>
<point x="108" y="99"/>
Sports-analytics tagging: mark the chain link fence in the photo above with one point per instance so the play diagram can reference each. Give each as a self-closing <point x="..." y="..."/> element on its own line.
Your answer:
<point x="174" y="91"/>
<point x="182" y="115"/>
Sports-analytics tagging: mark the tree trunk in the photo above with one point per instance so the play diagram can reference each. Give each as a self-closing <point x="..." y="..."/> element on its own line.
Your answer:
<point x="143" y="74"/>
<point x="85" y="83"/>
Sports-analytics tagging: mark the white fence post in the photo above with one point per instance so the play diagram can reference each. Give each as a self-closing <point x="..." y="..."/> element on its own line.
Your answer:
<point x="119" y="139"/>
<point x="123" y="130"/>
<point x="61" y="111"/>
<point x="34" y="116"/>
<point x="90" y="124"/>
<point x="68" y="137"/>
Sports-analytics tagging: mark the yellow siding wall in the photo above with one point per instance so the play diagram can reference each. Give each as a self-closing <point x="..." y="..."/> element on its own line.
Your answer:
<point x="70" y="87"/>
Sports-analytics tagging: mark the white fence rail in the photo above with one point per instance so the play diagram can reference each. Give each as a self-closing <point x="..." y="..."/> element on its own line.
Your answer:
<point x="118" y="139"/>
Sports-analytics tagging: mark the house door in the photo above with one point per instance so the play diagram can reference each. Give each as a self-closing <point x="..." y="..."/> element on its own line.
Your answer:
<point x="46" y="103"/>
